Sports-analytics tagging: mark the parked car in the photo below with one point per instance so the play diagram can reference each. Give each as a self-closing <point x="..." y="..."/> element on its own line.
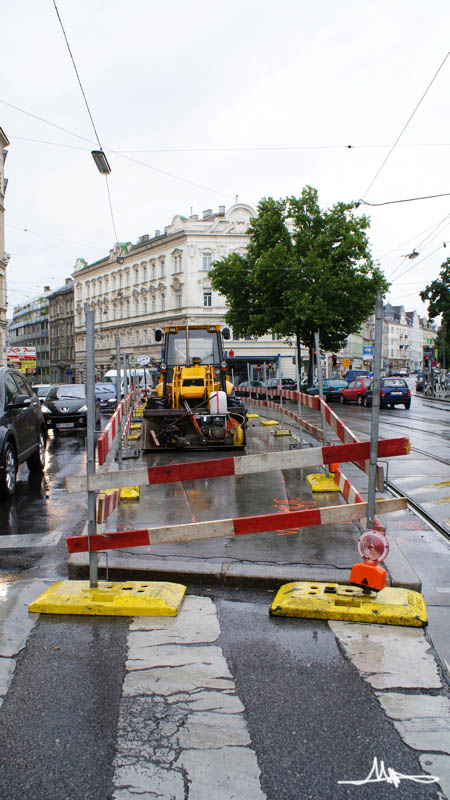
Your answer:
<point x="286" y="383"/>
<point x="355" y="391"/>
<point x="393" y="392"/>
<point x="22" y="429"/>
<point x="65" y="408"/>
<point x="353" y="374"/>
<point x="41" y="389"/>
<point x="331" y="388"/>
<point x="244" y="390"/>
<point x="106" y="394"/>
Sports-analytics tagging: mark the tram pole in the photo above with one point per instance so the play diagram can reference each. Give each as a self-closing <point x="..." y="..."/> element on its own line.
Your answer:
<point x="90" y="441"/>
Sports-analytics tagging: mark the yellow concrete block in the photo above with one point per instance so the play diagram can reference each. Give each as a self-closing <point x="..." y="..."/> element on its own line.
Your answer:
<point x="282" y="432"/>
<point x="130" y="493"/>
<point x="268" y="422"/>
<point x="128" y="599"/>
<point x="252" y="416"/>
<point x="320" y="483"/>
<point x="391" y="606"/>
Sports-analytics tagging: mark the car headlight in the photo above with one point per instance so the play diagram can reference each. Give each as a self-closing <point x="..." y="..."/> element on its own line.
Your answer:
<point x="83" y="408"/>
<point x="45" y="409"/>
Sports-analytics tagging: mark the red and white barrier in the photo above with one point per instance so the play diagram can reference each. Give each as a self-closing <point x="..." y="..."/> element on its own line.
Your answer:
<point x="216" y="529"/>
<point x="107" y="502"/>
<point x="106" y="439"/>
<point x="239" y="465"/>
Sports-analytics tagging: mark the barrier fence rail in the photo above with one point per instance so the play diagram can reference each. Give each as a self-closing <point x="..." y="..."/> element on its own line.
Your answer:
<point x="196" y="531"/>
<point x="237" y="465"/>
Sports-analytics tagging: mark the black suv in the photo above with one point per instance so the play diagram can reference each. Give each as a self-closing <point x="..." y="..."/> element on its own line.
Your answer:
<point x="22" y="429"/>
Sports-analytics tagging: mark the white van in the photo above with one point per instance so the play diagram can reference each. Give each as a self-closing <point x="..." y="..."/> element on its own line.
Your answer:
<point x="143" y="378"/>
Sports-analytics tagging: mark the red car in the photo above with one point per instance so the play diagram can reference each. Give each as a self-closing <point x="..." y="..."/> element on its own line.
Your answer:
<point x="355" y="390"/>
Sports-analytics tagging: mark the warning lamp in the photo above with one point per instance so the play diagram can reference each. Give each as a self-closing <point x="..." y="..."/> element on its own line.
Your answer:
<point x="372" y="547"/>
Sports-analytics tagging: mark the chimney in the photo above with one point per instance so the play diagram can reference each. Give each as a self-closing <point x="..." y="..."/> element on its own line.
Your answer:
<point x="157" y="233"/>
<point x="68" y="281"/>
<point x="144" y="238"/>
<point x="222" y="211"/>
<point x="47" y="289"/>
<point x="207" y="213"/>
<point x="193" y="216"/>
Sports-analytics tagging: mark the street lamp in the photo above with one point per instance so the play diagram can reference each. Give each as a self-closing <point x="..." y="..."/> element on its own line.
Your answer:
<point x="101" y="162"/>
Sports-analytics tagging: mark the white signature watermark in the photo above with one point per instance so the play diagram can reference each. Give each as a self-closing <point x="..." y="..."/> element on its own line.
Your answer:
<point x="381" y="774"/>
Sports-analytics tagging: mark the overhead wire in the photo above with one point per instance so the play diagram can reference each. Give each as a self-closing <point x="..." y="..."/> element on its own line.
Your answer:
<point x="405" y="126"/>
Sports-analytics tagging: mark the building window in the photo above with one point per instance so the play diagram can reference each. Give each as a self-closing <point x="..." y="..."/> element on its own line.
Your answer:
<point x="178" y="298"/>
<point x="153" y="303"/>
<point x="153" y="270"/>
<point x="275" y="337"/>
<point x="163" y="302"/>
<point x="206" y="297"/>
<point x="144" y="273"/>
<point x="162" y="267"/>
<point x="206" y="262"/>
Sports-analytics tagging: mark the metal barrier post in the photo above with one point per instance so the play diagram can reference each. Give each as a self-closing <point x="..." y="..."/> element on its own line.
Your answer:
<point x="119" y="396"/>
<point x="375" y="410"/>
<point x="320" y="381"/>
<point x="90" y="441"/>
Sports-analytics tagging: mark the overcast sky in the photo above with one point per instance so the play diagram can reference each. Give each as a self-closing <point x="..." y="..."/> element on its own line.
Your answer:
<point x="248" y="97"/>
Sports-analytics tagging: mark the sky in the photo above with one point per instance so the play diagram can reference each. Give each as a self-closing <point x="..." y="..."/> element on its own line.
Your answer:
<point x="197" y="103"/>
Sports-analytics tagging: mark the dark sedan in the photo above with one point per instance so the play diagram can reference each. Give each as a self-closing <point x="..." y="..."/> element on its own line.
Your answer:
<point x="106" y="394"/>
<point x="393" y="392"/>
<point x="22" y="429"/>
<point x="331" y="388"/>
<point x="65" y="408"/>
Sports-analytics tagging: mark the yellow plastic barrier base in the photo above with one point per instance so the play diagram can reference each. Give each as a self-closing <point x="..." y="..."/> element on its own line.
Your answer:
<point x="129" y="599"/>
<point x="132" y="437"/>
<point x="391" y="606"/>
<point x="136" y="426"/>
<point x="282" y="432"/>
<point x="320" y="483"/>
<point x="130" y="493"/>
<point x="252" y="416"/>
<point x="270" y="422"/>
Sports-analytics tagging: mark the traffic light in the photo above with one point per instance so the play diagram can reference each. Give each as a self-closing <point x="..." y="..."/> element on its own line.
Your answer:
<point x="334" y="360"/>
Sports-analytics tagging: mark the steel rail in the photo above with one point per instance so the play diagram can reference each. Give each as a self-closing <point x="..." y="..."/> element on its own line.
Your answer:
<point x="418" y="510"/>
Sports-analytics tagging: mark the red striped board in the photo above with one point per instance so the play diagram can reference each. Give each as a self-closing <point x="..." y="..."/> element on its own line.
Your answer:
<point x="217" y="529"/>
<point x="239" y="465"/>
<point x="107" y="502"/>
<point x="106" y="439"/>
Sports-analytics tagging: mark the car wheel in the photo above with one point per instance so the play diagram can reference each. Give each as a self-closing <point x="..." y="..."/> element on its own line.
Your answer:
<point x="341" y="399"/>
<point x="36" y="461"/>
<point x="359" y="400"/>
<point x="8" y="474"/>
<point x="408" y="404"/>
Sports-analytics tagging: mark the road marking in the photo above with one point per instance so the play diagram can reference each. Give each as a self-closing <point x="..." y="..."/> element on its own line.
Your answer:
<point x="395" y="658"/>
<point x="181" y="726"/>
<point x="16" y="624"/>
<point x="23" y="541"/>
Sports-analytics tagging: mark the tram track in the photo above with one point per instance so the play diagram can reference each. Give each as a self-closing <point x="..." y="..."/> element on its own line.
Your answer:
<point x="418" y="510"/>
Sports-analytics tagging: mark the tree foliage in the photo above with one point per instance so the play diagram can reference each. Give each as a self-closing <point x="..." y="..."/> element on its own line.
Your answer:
<point x="305" y="269"/>
<point x="437" y="294"/>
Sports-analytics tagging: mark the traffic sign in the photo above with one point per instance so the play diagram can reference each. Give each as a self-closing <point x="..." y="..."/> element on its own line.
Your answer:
<point x="142" y="361"/>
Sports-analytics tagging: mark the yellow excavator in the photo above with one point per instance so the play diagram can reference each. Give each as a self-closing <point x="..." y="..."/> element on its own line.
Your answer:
<point x="194" y="405"/>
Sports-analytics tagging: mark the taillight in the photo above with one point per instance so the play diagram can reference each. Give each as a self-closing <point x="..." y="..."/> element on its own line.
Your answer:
<point x="409" y="392"/>
<point x="382" y="392"/>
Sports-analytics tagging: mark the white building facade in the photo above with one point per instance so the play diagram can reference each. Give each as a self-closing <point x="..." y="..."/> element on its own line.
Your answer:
<point x="165" y="280"/>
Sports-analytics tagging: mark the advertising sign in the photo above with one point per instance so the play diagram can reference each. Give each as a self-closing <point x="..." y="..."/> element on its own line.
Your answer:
<point x="21" y="358"/>
<point x="367" y="351"/>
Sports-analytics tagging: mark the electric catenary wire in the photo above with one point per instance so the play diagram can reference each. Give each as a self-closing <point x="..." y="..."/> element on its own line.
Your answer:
<point x="89" y="112"/>
<point x="405" y="126"/>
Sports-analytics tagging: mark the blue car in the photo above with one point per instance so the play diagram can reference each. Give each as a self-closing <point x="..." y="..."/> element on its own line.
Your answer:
<point x="331" y="388"/>
<point x="393" y="392"/>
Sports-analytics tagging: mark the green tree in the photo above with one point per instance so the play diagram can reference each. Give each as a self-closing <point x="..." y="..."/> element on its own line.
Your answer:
<point x="437" y="294"/>
<point x="305" y="269"/>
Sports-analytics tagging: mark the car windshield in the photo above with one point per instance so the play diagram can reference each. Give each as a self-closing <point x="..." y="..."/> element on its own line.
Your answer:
<point x="389" y="383"/>
<point x="202" y="344"/>
<point x="71" y="391"/>
<point x="337" y="383"/>
<point x="105" y="387"/>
